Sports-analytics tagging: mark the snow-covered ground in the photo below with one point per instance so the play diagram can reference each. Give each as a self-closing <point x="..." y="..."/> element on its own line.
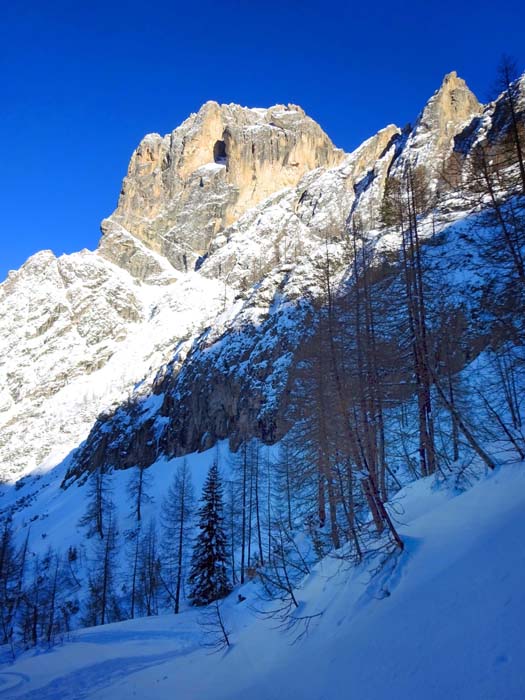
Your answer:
<point x="443" y="621"/>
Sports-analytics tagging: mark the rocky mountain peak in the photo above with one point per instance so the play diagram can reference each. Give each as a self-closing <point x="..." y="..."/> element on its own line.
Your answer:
<point x="453" y="104"/>
<point x="183" y="188"/>
<point x="450" y="107"/>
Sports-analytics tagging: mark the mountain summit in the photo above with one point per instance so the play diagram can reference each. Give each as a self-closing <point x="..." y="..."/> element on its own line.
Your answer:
<point x="185" y="187"/>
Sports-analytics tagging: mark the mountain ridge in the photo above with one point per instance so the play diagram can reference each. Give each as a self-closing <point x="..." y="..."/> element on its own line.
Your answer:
<point x="289" y="227"/>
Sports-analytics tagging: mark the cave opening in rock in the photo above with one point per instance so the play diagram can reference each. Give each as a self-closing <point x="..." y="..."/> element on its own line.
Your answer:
<point x="219" y="153"/>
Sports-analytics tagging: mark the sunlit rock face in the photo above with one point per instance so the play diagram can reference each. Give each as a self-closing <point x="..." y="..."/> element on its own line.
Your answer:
<point x="183" y="188"/>
<point x="448" y="110"/>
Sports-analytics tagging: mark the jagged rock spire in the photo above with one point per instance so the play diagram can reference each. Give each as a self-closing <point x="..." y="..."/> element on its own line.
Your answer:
<point x="442" y="118"/>
<point x="449" y="107"/>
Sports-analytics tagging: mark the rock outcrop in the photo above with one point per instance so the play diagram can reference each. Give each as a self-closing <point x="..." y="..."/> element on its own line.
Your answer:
<point x="449" y="109"/>
<point x="184" y="188"/>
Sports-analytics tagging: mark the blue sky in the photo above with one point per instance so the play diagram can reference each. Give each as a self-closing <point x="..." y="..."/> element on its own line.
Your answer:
<point x="82" y="82"/>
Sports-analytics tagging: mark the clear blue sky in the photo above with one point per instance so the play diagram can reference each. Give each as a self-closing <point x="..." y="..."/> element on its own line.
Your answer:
<point x="82" y="82"/>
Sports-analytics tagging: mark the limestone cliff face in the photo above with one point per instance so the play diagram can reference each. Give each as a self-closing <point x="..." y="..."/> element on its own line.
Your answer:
<point x="450" y="108"/>
<point x="183" y="188"/>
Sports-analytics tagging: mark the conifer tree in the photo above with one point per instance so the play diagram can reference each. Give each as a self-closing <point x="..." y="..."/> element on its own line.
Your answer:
<point x="99" y="504"/>
<point x="148" y="571"/>
<point x="12" y="572"/>
<point x="208" y="577"/>
<point x="177" y="524"/>
<point x="138" y="488"/>
<point x="102" y="605"/>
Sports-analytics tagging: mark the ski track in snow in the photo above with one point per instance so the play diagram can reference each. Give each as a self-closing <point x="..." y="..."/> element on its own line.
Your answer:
<point x="84" y="682"/>
<point x="12" y="681"/>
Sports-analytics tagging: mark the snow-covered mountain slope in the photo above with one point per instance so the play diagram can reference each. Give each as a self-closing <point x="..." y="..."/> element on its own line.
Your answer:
<point x="442" y="619"/>
<point x="203" y="282"/>
<point x="77" y="335"/>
